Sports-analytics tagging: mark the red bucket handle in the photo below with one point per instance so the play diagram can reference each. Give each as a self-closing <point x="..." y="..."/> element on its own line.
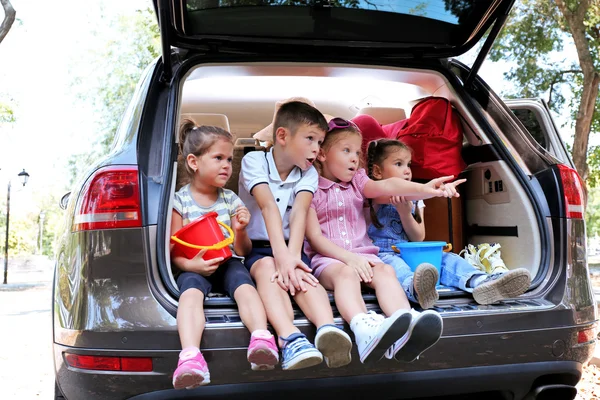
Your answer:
<point x="216" y="246"/>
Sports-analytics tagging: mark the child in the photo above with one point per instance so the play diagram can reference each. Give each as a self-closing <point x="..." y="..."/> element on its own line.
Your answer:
<point x="278" y="187"/>
<point x="344" y="257"/>
<point x="402" y="221"/>
<point x="208" y="153"/>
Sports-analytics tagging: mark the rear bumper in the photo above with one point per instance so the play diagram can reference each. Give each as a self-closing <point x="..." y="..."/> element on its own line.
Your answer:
<point x="515" y="363"/>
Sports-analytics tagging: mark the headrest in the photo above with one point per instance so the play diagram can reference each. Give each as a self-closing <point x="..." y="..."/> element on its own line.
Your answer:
<point x="218" y="120"/>
<point x="384" y="115"/>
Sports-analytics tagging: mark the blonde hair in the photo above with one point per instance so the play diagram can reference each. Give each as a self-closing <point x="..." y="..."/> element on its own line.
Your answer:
<point x="197" y="140"/>
<point x="378" y="151"/>
<point x="334" y="136"/>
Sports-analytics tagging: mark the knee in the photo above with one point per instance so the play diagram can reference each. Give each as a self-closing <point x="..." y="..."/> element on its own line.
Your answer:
<point x="191" y="296"/>
<point x="265" y="267"/>
<point x="383" y="271"/>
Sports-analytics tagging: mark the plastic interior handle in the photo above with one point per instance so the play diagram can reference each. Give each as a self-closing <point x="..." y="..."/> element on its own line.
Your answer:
<point x="216" y="246"/>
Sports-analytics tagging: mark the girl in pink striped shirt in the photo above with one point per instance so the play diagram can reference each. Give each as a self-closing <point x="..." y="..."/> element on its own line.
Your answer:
<point x="344" y="258"/>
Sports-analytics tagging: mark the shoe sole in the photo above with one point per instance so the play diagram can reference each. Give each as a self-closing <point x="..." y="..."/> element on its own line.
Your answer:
<point x="512" y="284"/>
<point x="425" y="279"/>
<point x="262" y="359"/>
<point x="189" y="380"/>
<point x="303" y="360"/>
<point x="397" y="328"/>
<point x="425" y="333"/>
<point x="335" y="347"/>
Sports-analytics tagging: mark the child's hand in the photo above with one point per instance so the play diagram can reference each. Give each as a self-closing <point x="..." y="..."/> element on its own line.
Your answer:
<point x="437" y="187"/>
<point x="241" y="219"/>
<point x="201" y="266"/>
<point x="402" y="205"/>
<point x="285" y="272"/>
<point x="362" y="267"/>
<point x="303" y="278"/>
<point x="450" y="188"/>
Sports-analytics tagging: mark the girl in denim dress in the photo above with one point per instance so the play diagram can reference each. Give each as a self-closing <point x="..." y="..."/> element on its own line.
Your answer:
<point x="402" y="220"/>
<point x="343" y="257"/>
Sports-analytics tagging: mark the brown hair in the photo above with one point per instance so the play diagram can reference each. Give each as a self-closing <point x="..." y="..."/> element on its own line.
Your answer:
<point x="335" y="135"/>
<point x="377" y="152"/>
<point x="196" y="140"/>
<point x="295" y="113"/>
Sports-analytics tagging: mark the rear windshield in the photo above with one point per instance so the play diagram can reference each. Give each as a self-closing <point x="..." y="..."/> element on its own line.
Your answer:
<point x="439" y="23"/>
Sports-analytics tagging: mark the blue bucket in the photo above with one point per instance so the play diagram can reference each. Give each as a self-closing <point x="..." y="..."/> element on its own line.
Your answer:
<point x="416" y="253"/>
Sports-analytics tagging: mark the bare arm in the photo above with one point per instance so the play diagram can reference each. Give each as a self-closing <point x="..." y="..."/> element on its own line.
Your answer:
<point x="285" y="261"/>
<point x="414" y="230"/>
<point x="401" y="187"/>
<point x="242" y="245"/>
<point x="298" y="222"/>
<point x="270" y="212"/>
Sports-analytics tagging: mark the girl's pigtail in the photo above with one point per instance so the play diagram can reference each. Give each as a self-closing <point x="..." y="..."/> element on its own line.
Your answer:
<point x="370" y="160"/>
<point x="186" y="127"/>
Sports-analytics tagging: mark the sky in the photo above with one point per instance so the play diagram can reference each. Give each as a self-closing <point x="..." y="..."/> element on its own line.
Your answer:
<point x="50" y="44"/>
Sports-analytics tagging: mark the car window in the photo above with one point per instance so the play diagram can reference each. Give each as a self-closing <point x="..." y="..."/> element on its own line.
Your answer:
<point x="430" y="23"/>
<point x="530" y="121"/>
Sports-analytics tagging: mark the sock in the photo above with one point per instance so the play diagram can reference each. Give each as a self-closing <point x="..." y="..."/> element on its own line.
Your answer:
<point x="263" y="333"/>
<point x="189" y="352"/>
<point x="476" y="280"/>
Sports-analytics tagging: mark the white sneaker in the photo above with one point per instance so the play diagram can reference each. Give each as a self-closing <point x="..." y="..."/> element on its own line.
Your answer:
<point x="424" y="331"/>
<point x="374" y="333"/>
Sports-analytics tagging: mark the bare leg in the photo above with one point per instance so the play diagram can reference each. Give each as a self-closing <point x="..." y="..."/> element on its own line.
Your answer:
<point x="190" y="318"/>
<point x="346" y="289"/>
<point x="314" y="303"/>
<point x="389" y="292"/>
<point x="251" y="308"/>
<point x="277" y="303"/>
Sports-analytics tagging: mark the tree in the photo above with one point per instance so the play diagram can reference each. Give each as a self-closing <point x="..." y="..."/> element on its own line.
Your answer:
<point x="9" y="18"/>
<point x="533" y="37"/>
<point x="133" y="42"/>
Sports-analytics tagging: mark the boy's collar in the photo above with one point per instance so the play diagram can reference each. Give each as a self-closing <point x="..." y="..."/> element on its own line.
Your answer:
<point x="295" y="173"/>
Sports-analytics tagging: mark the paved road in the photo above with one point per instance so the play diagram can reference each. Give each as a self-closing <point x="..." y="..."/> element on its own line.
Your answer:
<point x="26" y="366"/>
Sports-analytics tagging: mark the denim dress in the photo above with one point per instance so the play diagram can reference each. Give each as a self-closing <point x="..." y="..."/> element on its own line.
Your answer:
<point x="455" y="270"/>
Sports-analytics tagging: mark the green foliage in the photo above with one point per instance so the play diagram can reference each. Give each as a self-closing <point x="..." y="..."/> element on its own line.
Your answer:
<point x="7" y="115"/>
<point x="132" y="44"/>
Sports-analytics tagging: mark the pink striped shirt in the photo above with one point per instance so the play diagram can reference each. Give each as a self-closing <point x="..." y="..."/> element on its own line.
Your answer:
<point x="339" y="208"/>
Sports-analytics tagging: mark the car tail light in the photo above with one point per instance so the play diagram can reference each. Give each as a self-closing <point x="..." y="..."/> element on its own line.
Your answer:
<point x="101" y="363"/>
<point x="110" y="199"/>
<point x="573" y="191"/>
<point x="587" y="335"/>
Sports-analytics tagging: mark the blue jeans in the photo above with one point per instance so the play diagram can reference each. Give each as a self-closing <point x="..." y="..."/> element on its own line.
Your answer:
<point x="456" y="272"/>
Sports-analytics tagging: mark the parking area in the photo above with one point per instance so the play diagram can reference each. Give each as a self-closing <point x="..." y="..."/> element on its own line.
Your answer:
<point x="26" y="366"/>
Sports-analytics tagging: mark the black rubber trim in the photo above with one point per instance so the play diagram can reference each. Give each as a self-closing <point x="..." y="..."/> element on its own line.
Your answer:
<point x="478" y="230"/>
<point x="483" y="153"/>
<point x="517" y="379"/>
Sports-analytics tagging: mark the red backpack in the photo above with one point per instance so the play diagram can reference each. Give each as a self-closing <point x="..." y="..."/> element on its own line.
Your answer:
<point x="435" y="135"/>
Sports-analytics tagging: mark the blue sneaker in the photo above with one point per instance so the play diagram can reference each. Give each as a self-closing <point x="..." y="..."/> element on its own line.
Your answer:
<point x="297" y="352"/>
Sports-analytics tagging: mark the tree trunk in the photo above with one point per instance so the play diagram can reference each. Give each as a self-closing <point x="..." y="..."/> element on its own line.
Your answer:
<point x="591" y="79"/>
<point x="9" y="18"/>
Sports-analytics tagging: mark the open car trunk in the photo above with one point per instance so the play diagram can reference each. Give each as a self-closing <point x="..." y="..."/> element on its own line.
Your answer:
<point x="495" y="204"/>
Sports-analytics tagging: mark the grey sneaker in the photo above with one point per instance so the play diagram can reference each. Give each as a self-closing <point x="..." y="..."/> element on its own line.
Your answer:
<point x="424" y="282"/>
<point x="500" y="286"/>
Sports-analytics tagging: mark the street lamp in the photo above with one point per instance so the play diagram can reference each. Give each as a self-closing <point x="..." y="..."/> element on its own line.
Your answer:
<point x="23" y="177"/>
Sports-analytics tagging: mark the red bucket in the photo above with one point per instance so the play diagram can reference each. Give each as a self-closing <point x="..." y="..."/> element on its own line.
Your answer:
<point x="203" y="233"/>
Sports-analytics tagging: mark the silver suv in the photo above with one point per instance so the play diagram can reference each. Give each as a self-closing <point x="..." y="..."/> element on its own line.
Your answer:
<point x="226" y="63"/>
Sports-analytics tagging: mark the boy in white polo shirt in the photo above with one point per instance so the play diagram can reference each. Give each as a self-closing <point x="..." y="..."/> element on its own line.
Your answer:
<point x="277" y="187"/>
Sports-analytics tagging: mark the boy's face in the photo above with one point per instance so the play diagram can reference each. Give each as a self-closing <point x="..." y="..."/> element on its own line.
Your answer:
<point x="302" y="148"/>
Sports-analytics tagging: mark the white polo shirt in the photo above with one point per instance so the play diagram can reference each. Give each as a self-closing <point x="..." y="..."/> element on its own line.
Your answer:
<point x="258" y="167"/>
